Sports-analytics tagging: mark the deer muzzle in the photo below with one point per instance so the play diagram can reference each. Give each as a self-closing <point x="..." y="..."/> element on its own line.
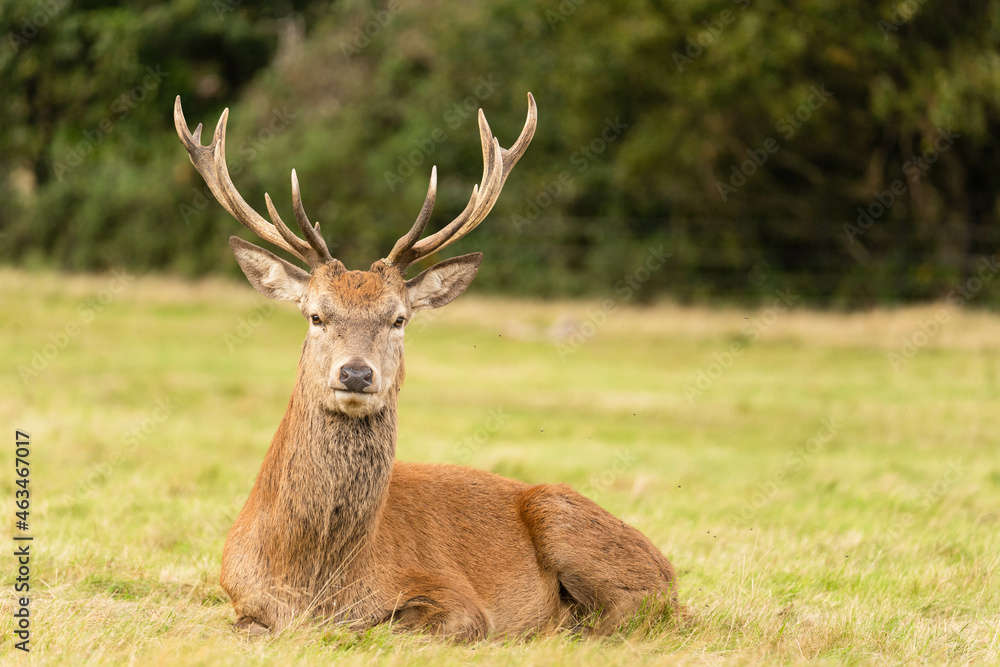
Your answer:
<point x="354" y="375"/>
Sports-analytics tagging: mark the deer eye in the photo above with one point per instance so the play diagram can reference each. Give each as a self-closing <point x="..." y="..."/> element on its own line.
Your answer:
<point x="315" y="319"/>
<point x="399" y="322"/>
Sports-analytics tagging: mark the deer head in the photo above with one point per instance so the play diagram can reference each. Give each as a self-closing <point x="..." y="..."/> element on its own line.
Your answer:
<point x="352" y="359"/>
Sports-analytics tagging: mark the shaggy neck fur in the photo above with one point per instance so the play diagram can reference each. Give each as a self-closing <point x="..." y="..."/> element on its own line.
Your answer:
<point x="328" y="476"/>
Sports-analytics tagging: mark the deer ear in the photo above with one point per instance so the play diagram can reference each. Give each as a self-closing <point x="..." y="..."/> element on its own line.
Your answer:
<point x="269" y="274"/>
<point x="444" y="282"/>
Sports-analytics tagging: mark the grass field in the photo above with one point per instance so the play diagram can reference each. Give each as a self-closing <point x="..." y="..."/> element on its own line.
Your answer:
<point x="820" y="504"/>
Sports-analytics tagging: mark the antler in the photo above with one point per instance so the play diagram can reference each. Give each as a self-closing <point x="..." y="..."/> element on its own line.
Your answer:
<point x="210" y="161"/>
<point x="497" y="163"/>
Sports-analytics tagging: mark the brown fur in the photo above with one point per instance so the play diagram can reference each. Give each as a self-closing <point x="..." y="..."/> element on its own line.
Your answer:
<point x="335" y="528"/>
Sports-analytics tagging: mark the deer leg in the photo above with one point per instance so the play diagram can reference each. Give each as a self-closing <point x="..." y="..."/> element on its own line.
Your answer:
<point x="251" y="625"/>
<point x="607" y="570"/>
<point x="447" y="608"/>
<point x="265" y="611"/>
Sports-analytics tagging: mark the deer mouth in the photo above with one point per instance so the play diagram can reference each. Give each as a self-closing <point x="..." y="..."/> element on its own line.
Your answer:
<point x="355" y="403"/>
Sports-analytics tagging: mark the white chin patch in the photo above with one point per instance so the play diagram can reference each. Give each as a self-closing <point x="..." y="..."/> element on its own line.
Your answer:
<point x="355" y="403"/>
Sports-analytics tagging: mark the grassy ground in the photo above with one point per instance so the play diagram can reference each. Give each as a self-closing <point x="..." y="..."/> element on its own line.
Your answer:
<point x="820" y="504"/>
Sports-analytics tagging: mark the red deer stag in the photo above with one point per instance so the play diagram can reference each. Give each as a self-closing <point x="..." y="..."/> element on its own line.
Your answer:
<point x="334" y="527"/>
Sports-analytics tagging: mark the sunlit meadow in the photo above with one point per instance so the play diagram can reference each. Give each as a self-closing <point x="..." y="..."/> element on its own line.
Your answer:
<point x="822" y="499"/>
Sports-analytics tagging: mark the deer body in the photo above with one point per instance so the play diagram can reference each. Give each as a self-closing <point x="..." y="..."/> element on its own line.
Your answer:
<point x="403" y="541"/>
<point x="335" y="528"/>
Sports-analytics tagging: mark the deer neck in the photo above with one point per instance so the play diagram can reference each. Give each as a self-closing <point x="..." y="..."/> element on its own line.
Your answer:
<point x="330" y="472"/>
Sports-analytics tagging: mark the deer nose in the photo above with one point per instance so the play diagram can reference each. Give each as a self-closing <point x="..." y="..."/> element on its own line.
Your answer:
<point x="356" y="378"/>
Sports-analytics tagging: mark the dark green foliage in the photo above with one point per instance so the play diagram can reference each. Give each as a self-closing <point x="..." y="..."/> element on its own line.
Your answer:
<point x="648" y="113"/>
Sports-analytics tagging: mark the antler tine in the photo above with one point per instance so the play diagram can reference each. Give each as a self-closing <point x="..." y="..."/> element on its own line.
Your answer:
<point x="497" y="164"/>
<point x="210" y="161"/>
<point x="311" y="233"/>
<point x="306" y="253"/>
<point x="486" y="196"/>
<point x="405" y="243"/>
<point x="513" y="154"/>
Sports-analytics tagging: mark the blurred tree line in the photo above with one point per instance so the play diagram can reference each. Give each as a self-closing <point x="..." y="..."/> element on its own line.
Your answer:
<point x="846" y="151"/>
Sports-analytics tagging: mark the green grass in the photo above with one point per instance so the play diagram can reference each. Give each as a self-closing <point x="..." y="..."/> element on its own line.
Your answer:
<point x="864" y="548"/>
